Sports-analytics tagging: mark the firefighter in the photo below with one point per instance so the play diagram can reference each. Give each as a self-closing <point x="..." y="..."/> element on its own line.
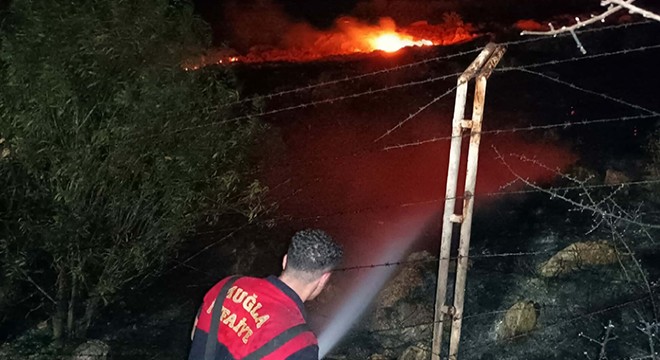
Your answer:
<point x="253" y="318"/>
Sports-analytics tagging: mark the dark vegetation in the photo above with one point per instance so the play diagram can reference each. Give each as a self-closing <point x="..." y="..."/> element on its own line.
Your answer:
<point x="111" y="155"/>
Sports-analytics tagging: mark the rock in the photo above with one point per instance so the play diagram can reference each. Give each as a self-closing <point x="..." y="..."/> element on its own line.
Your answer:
<point x="403" y="311"/>
<point x="519" y="319"/>
<point x="91" y="350"/>
<point x="411" y="276"/>
<point x="575" y="256"/>
<point x="416" y="352"/>
<point x="378" y="357"/>
<point x="584" y="174"/>
<point x="402" y="325"/>
<point x="42" y="325"/>
<point x="613" y="177"/>
<point x="335" y="357"/>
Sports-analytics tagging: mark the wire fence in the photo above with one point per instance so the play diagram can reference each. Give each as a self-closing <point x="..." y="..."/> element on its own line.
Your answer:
<point x="567" y="318"/>
<point x="220" y="236"/>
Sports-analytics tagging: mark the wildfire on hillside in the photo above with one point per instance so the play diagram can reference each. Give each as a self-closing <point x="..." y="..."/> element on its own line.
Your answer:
<point x="302" y="42"/>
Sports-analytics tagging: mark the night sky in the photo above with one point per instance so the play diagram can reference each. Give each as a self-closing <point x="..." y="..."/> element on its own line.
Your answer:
<point x="321" y="13"/>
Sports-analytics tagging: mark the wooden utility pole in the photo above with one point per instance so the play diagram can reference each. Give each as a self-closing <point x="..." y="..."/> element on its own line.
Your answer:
<point x="481" y="68"/>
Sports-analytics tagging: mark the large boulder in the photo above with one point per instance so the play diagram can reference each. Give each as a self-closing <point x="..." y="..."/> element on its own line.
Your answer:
<point x="403" y="311"/>
<point x="520" y="319"/>
<point x="578" y="255"/>
<point x="410" y="277"/>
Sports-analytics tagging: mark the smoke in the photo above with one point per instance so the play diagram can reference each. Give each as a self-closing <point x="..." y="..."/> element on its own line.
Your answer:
<point x="260" y="23"/>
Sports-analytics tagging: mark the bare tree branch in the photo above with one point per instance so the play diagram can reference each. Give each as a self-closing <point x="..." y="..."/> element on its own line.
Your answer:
<point x="613" y="6"/>
<point x="632" y="8"/>
<point x="605" y="211"/>
<point x="602" y="355"/>
<point x="579" y="24"/>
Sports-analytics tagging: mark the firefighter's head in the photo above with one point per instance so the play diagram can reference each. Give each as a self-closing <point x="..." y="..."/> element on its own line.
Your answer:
<point x="310" y="260"/>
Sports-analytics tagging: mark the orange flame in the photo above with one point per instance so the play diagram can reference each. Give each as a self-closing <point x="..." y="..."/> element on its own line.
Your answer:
<point x="302" y="42"/>
<point x="393" y="42"/>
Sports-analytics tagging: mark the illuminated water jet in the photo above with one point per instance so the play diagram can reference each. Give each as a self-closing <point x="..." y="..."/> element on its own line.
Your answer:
<point x="363" y="292"/>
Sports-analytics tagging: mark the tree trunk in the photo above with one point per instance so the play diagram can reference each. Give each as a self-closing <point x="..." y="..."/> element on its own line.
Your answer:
<point x="70" y="319"/>
<point x="60" y="307"/>
<point x="90" y="312"/>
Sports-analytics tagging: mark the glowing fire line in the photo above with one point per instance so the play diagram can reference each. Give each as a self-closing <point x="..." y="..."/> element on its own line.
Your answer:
<point x="393" y="42"/>
<point x="389" y="42"/>
<point x="302" y="42"/>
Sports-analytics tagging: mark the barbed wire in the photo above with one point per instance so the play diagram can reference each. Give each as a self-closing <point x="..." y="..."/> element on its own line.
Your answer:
<point x="273" y="95"/>
<point x="234" y="231"/>
<point x="588" y="205"/>
<point x="361" y="152"/>
<point x="206" y="248"/>
<point x="587" y="91"/>
<point x="412" y="83"/>
<point x="473" y="256"/>
<point x="503" y="311"/>
<point x="417" y="112"/>
<point x="306" y="105"/>
<point x="393" y="87"/>
<point x="518" y="254"/>
<point x="580" y="58"/>
<point x="542" y="329"/>
<point x="470" y="257"/>
<point x="291" y="217"/>
<point x="526" y="67"/>
<point x="563" y="125"/>
<point x="489" y="342"/>
<point x="576" y="318"/>
<point x="499" y="131"/>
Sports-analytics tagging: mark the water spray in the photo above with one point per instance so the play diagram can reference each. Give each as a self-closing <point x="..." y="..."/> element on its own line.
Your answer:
<point x="364" y="291"/>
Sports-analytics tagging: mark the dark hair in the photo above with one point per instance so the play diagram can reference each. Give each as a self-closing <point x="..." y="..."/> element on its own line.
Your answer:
<point x="312" y="251"/>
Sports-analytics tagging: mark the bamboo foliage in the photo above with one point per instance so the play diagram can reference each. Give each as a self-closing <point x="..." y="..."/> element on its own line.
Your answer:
<point x="96" y="190"/>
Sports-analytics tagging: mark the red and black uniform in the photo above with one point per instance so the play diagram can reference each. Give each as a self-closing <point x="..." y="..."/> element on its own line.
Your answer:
<point x="255" y="319"/>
